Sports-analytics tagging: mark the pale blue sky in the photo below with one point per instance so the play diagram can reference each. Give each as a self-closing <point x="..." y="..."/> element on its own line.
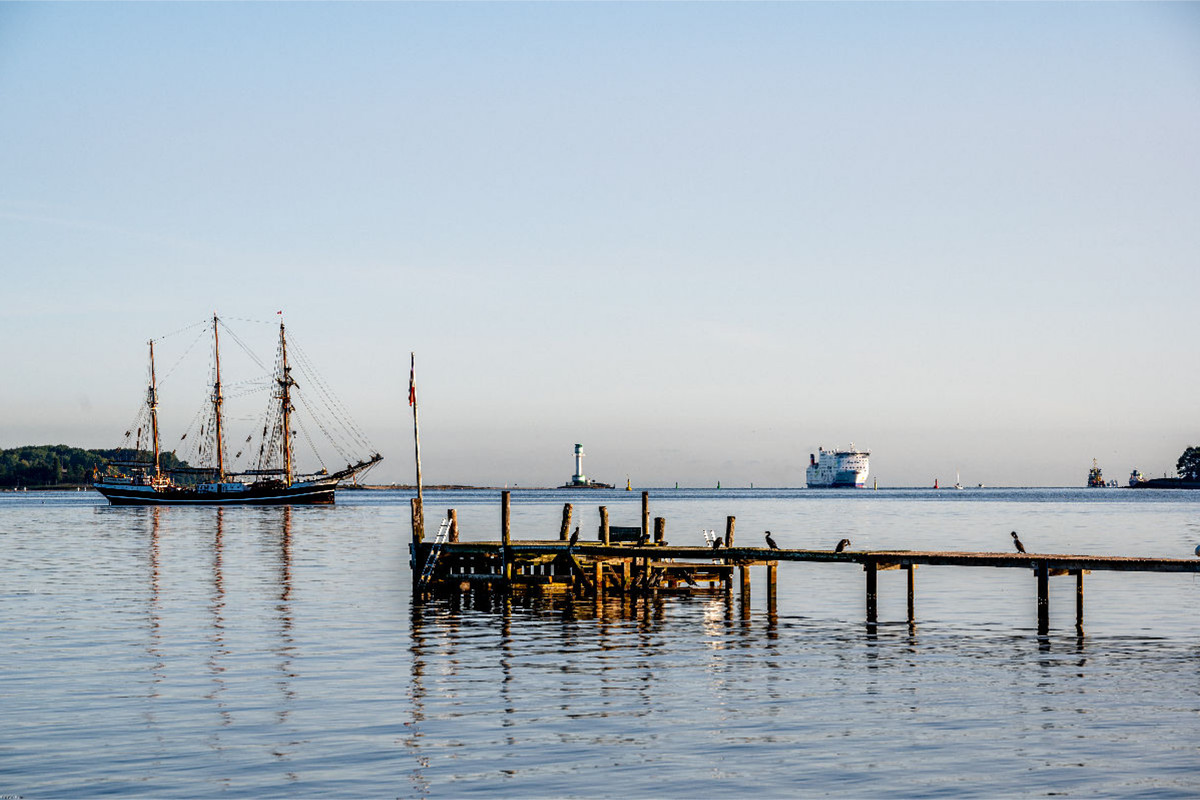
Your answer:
<point x="701" y="239"/>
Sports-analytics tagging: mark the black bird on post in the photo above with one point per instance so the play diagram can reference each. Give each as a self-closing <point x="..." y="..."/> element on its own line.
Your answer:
<point x="842" y="545"/>
<point x="771" y="542"/>
<point x="717" y="543"/>
<point x="687" y="576"/>
<point x="574" y="540"/>
<point x="1017" y="542"/>
<point x="643" y="539"/>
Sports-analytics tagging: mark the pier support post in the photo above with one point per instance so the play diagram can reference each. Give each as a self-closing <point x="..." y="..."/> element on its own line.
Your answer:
<point x="452" y="515"/>
<point x="1043" y="597"/>
<point x="565" y="531"/>
<point x="744" y="580"/>
<point x="506" y="533"/>
<point x="872" y="590"/>
<point x="660" y="529"/>
<point x="604" y="525"/>
<point x="912" y="594"/>
<point x="418" y="534"/>
<point x="1079" y="600"/>
<point x="645" y="515"/>
<point x="772" y="586"/>
<point x="598" y="580"/>
<point x="729" y="524"/>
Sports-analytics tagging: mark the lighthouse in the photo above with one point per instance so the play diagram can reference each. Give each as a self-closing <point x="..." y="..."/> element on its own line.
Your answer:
<point x="579" y="478"/>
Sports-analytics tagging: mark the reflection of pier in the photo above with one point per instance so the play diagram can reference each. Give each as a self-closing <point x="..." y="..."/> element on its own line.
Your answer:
<point x="639" y="560"/>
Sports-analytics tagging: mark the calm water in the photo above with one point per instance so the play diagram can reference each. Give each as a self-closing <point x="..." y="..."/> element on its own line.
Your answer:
<point x="274" y="652"/>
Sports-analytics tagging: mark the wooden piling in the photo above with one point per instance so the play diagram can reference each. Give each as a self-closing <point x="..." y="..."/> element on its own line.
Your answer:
<point x="729" y="524"/>
<point x="418" y="534"/>
<point x="912" y="594"/>
<point x="1043" y="597"/>
<point x="744" y="579"/>
<point x="872" y="591"/>
<point x="604" y="525"/>
<point x="1079" y="599"/>
<point x="660" y="530"/>
<point x="452" y="515"/>
<point x="772" y="585"/>
<point x="565" y="530"/>
<point x="645" y="515"/>
<point x="506" y="533"/>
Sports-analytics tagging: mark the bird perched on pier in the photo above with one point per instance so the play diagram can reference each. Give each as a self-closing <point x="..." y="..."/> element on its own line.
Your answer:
<point x="842" y="545"/>
<point x="771" y="542"/>
<point x="574" y="540"/>
<point x="644" y="539"/>
<point x="687" y="577"/>
<point x="717" y="542"/>
<point x="1017" y="543"/>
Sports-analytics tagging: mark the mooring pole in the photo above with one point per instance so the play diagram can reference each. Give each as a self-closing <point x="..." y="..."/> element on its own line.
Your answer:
<point x="729" y="524"/>
<point x="506" y="533"/>
<point x="452" y="515"/>
<point x="645" y="515"/>
<point x="1079" y="600"/>
<point x="565" y="530"/>
<point x="1043" y="597"/>
<point x="912" y="592"/>
<point x="418" y="532"/>
<point x="604" y="525"/>
<point x="660" y="529"/>
<point x="872" y="589"/>
<point x="772" y="587"/>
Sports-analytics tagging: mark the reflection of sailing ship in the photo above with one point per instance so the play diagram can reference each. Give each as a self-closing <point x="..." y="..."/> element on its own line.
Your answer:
<point x="273" y="479"/>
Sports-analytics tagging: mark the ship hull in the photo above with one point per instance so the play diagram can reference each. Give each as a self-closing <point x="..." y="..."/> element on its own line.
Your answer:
<point x="296" y="494"/>
<point x="838" y="469"/>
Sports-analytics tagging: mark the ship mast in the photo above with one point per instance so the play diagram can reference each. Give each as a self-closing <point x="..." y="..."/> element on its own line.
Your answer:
<point x="217" y="400"/>
<point x="152" y="402"/>
<point x="285" y="400"/>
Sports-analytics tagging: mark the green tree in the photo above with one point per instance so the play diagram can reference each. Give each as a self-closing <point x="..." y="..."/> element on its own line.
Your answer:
<point x="1188" y="464"/>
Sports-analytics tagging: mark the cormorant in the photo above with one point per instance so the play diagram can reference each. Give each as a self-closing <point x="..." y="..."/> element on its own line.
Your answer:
<point x="687" y="576"/>
<point x="771" y="542"/>
<point x="717" y="543"/>
<point x="643" y="539"/>
<point x="1017" y="542"/>
<point x="574" y="538"/>
<point x="842" y="545"/>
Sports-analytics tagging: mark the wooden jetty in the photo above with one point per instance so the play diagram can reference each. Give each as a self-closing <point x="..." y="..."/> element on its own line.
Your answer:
<point x="639" y="560"/>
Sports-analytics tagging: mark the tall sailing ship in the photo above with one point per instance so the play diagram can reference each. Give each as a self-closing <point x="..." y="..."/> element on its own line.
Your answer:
<point x="270" y="477"/>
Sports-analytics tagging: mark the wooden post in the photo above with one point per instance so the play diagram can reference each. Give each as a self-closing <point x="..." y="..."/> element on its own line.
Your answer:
<point x="1043" y="597"/>
<point x="505" y="532"/>
<point x="418" y="534"/>
<point x="772" y="586"/>
<point x="565" y="530"/>
<point x="604" y="524"/>
<point x="872" y="590"/>
<point x="645" y="515"/>
<point x="729" y="523"/>
<point x="660" y="529"/>
<point x="598" y="583"/>
<point x="1079" y="600"/>
<point x="744" y="579"/>
<point x="912" y="594"/>
<point x="452" y="515"/>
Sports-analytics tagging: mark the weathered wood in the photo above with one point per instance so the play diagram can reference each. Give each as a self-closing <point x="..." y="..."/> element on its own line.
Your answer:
<point x="452" y="515"/>
<point x="565" y="531"/>
<point x="506" y="533"/>
<point x="604" y="529"/>
<point x="912" y="594"/>
<point x="772" y="586"/>
<point x="1043" y="597"/>
<point x="660" y="530"/>
<point x="729" y="525"/>
<point x="1079" y="599"/>
<point x="646" y="514"/>
<point x="872" y="591"/>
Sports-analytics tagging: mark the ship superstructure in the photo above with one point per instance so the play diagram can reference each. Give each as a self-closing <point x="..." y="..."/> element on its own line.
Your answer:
<point x="837" y="469"/>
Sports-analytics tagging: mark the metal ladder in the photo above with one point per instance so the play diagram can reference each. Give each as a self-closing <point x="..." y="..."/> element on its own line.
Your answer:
<point x="434" y="552"/>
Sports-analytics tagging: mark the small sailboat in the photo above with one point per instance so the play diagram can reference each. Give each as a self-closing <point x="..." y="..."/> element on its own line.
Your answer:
<point x="957" y="480"/>
<point x="273" y="478"/>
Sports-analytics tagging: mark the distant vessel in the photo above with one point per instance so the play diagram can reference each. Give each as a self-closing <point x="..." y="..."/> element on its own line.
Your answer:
<point x="838" y="469"/>
<point x="1136" y="477"/>
<point x="273" y="480"/>
<point x="1095" y="477"/>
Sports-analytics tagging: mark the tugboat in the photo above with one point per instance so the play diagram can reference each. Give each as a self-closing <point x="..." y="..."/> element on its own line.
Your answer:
<point x="1095" y="477"/>
<point x="273" y="478"/>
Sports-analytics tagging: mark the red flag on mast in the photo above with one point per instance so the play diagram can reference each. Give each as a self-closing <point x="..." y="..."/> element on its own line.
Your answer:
<point x="412" y="381"/>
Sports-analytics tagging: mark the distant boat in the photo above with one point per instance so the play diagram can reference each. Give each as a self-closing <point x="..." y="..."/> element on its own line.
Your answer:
<point x="1095" y="477"/>
<point x="838" y="469"/>
<point x="273" y="480"/>
<point x="957" y="482"/>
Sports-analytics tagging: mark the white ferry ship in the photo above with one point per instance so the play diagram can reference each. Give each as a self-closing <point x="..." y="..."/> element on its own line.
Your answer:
<point x="835" y="469"/>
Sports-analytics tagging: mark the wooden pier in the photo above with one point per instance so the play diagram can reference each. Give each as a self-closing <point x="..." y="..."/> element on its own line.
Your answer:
<point x="639" y="560"/>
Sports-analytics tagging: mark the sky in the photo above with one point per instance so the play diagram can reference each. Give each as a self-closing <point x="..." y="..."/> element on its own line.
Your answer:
<point x="701" y="239"/>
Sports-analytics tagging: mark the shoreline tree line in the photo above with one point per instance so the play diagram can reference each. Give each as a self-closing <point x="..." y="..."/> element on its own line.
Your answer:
<point x="40" y="466"/>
